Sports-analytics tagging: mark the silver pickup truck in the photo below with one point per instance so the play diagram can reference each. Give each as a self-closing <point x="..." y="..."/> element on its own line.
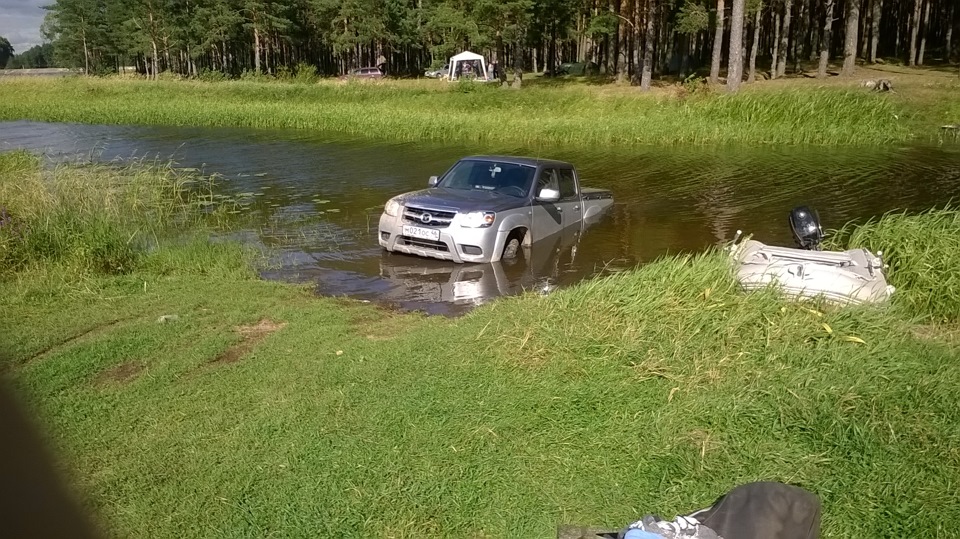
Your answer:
<point x="485" y="208"/>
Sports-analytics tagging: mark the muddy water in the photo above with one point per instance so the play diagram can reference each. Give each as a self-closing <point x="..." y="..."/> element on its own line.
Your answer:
<point x="315" y="201"/>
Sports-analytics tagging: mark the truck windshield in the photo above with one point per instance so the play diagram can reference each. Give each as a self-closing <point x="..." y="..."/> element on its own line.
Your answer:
<point x="504" y="178"/>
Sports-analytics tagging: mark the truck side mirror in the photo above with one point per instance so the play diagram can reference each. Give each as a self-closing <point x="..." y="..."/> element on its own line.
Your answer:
<point x="432" y="182"/>
<point x="548" y="195"/>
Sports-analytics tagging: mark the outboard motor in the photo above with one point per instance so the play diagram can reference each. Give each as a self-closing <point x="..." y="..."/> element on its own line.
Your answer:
<point x="805" y="225"/>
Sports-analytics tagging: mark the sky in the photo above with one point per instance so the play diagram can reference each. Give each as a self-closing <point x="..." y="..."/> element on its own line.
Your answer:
<point x="20" y="22"/>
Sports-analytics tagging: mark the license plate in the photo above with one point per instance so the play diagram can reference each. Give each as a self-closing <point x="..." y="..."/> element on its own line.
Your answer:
<point x="422" y="233"/>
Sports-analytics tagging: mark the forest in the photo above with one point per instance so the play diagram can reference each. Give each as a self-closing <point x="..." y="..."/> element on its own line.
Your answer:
<point x="631" y="40"/>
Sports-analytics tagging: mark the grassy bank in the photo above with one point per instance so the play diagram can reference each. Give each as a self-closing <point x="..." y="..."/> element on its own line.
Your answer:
<point x="262" y="410"/>
<point x="802" y="112"/>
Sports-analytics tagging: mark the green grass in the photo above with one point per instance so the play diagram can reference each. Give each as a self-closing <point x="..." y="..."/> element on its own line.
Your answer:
<point x="574" y="115"/>
<point x="654" y="390"/>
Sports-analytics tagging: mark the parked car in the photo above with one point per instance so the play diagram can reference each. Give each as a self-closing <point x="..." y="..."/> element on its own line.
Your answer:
<point x="486" y="207"/>
<point x="438" y="73"/>
<point x="364" y="73"/>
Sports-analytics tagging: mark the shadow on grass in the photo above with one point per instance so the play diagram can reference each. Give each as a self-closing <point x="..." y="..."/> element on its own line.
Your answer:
<point x="561" y="81"/>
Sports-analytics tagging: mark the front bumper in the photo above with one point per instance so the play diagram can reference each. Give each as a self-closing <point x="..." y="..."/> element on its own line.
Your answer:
<point x="454" y="244"/>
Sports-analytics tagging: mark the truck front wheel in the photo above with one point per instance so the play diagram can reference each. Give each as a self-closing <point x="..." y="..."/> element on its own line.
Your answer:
<point x="512" y="247"/>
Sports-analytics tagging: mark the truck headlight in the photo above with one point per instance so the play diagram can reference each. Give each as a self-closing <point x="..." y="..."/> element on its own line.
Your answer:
<point x="392" y="208"/>
<point x="478" y="219"/>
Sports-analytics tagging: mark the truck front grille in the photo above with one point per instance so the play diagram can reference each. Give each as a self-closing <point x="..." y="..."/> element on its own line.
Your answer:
<point x="424" y="244"/>
<point x="428" y="217"/>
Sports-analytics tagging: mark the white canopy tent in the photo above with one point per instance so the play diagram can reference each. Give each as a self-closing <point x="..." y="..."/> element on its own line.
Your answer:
<point x="468" y="63"/>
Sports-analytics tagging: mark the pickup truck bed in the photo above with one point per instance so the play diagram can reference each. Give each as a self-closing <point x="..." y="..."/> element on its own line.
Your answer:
<point x="589" y="193"/>
<point x="595" y="201"/>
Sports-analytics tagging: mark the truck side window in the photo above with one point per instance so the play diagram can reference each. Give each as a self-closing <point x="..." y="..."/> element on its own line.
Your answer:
<point x="548" y="180"/>
<point x="568" y="184"/>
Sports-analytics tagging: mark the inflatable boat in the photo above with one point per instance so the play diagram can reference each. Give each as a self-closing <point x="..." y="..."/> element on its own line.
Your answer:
<point x="846" y="277"/>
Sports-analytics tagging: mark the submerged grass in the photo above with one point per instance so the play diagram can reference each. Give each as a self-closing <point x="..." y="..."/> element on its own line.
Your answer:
<point x="89" y="220"/>
<point x="412" y="111"/>
<point x="261" y="410"/>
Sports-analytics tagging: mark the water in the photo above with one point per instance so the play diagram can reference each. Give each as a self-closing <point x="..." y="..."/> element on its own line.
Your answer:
<point x="315" y="201"/>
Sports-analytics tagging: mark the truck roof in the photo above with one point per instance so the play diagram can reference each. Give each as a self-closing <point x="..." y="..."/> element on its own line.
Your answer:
<point x="514" y="160"/>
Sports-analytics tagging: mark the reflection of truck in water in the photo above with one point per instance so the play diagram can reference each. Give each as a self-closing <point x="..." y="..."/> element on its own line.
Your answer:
<point x="541" y="267"/>
<point x="485" y="208"/>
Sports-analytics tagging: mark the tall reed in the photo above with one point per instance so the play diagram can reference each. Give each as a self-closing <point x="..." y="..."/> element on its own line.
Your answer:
<point x="923" y="254"/>
<point x="413" y="111"/>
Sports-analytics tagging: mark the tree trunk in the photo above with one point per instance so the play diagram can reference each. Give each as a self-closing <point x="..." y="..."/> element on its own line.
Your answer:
<point x="803" y="25"/>
<point x="735" y="60"/>
<point x="648" y="38"/>
<point x="518" y="64"/>
<point x="923" y="33"/>
<point x="86" y="51"/>
<point x="501" y="67"/>
<point x="863" y="32"/>
<point x="156" y="60"/>
<point x="948" y="51"/>
<point x="639" y="6"/>
<point x="914" y="30"/>
<point x="268" y="56"/>
<point x="825" y="40"/>
<point x="776" y="46"/>
<point x="814" y="29"/>
<point x="684" y="55"/>
<point x="191" y="65"/>
<point x="256" y="50"/>
<point x="552" y="50"/>
<point x="717" y="45"/>
<point x="582" y="41"/>
<point x="615" y="6"/>
<point x="875" y="29"/>
<point x="897" y="40"/>
<point x="784" y="38"/>
<point x="166" y="55"/>
<point x="850" y="39"/>
<point x="664" y="32"/>
<point x="752" y="75"/>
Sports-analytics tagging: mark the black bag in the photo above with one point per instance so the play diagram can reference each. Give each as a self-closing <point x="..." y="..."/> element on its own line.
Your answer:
<point x="764" y="510"/>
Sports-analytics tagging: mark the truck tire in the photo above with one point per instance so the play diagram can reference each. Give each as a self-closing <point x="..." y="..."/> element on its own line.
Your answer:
<point x="512" y="248"/>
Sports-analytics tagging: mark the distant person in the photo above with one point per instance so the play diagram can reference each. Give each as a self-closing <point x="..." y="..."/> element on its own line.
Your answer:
<point x="382" y="64"/>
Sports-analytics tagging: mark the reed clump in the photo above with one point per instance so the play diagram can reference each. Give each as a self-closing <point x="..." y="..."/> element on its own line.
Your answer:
<point x="923" y="254"/>
<point x="93" y="219"/>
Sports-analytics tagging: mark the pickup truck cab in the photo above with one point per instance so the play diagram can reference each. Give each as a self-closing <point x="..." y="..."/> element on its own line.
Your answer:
<point x="485" y="208"/>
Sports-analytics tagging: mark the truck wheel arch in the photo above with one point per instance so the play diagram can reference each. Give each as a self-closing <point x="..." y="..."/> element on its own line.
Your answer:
<point x="519" y="234"/>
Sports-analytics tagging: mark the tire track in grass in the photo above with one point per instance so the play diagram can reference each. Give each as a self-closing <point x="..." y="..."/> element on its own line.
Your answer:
<point x="84" y="336"/>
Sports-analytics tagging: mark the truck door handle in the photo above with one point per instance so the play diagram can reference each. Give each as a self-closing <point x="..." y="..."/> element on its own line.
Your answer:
<point x="576" y="208"/>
